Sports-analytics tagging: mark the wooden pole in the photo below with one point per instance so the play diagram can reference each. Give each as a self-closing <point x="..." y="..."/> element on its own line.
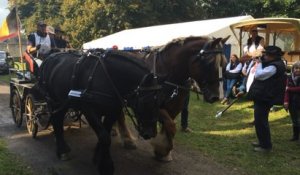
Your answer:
<point x="19" y="38"/>
<point x="19" y="34"/>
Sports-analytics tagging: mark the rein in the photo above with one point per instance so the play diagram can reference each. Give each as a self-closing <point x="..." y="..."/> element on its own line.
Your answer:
<point x="123" y="101"/>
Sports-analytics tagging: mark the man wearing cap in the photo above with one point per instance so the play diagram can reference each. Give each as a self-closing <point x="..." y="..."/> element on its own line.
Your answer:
<point x="267" y="90"/>
<point x="59" y="40"/>
<point x="39" y="43"/>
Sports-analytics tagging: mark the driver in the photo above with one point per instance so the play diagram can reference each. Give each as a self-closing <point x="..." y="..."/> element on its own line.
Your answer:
<point x="40" y="43"/>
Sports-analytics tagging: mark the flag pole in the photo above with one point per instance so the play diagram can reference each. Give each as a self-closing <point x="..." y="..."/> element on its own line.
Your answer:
<point x="19" y="38"/>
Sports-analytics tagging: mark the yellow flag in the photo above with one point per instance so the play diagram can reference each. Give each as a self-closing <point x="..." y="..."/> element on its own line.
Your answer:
<point x="9" y="27"/>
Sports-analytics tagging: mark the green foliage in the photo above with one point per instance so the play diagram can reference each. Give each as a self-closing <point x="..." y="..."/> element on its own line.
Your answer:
<point x="4" y="78"/>
<point x="85" y="20"/>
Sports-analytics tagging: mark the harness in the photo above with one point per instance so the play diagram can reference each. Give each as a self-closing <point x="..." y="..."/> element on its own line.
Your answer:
<point x="201" y="54"/>
<point x="88" y="94"/>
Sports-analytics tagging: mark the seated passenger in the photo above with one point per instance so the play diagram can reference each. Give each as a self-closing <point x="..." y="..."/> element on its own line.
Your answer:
<point x="232" y="75"/>
<point x="247" y="76"/>
<point x="60" y="39"/>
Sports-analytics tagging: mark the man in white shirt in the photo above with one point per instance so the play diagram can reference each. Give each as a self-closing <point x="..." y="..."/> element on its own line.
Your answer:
<point x="40" y="43"/>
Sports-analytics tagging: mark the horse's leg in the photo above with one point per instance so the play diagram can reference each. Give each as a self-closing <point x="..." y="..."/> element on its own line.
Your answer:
<point x="126" y="137"/>
<point x="163" y="142"/>
<point x="62" y="149"/>
<point x="102" y="157"/>
<point x="114" y="130"/>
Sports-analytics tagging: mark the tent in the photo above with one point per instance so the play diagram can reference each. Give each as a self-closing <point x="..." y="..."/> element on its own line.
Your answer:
<point x="159" y="35"/>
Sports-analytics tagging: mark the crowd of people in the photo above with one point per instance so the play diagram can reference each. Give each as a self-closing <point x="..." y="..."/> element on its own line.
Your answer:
<point x="261" y="74"/>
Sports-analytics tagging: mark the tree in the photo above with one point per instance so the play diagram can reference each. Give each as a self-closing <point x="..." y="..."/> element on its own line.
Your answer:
<point x="85" y="20"/>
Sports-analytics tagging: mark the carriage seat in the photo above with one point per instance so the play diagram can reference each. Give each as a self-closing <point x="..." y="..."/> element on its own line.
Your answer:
<point x="32" y="63"/>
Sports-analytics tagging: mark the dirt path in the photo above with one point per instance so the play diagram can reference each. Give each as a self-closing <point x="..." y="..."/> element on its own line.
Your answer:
<point x="39" y="154"/>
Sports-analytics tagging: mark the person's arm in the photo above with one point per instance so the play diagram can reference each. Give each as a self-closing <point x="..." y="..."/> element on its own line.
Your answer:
<point x="262" y="42"/>
<point x="286" y="96"/>
<point x="244" y="69"/>
<point x="31" y="48"/>
<point x="53" y="44"/>
<point x="294" y="89"/>
<point x="237" y="69"/>
<point x="264" y="73"/>
<point x="228" y="66"/>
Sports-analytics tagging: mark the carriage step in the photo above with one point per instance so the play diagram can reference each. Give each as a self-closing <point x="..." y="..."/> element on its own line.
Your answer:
<point x="41" y="103"/>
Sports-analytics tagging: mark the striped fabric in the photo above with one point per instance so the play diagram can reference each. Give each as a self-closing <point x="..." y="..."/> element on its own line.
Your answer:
<point x="9" y="27"/>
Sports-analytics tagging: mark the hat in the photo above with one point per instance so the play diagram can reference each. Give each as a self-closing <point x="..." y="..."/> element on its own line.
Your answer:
<point x="273" y="50"/>
<point x="41" y="23"/>
<point x="253" y="28"/>
<point x="58" y="30"/>
<point x="50" y="30"/>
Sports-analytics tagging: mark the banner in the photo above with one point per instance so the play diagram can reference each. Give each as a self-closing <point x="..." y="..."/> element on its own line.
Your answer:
<point x="9" y="27"/>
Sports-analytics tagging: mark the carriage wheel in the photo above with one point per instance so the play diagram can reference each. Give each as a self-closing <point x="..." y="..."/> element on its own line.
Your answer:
<point x="16" y="108"/>
<point x="31" y="124"/>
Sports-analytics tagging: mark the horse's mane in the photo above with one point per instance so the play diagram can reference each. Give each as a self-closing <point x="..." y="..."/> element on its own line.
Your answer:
<point x="129" y="57"/>
<point x="178" y="41"/>
<point x="219" y="61"/>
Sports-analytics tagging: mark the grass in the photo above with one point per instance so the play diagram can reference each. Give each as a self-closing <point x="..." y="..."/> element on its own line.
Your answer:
<point x="11" y="164"/>
<point x="227" y="139"/>
<point x="4" y="78"/>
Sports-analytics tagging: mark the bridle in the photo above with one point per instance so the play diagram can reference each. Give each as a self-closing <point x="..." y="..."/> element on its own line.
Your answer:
<point x="200" y="56"/>
<point x="203" y="52"/>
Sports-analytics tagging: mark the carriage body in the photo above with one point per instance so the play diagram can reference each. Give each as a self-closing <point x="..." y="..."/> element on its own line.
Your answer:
<point x="281" y="32"/>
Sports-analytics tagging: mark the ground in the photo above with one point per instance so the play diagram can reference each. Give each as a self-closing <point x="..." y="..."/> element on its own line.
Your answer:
<point x="39" y="154"/>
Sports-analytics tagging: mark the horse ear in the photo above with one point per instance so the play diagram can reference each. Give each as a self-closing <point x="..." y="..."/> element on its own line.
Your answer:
<point x="225" y="39"/>
<point x="215" y="42"/>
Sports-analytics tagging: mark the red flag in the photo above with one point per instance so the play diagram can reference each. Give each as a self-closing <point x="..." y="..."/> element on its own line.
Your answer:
<point x="9" y="27"/>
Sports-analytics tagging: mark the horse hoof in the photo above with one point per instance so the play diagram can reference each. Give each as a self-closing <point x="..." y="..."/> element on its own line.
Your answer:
<point x="64" y="157"/>
<point x="129" y="144"/>
<point x="114" y="132"/>
<point x="167" y="158"/>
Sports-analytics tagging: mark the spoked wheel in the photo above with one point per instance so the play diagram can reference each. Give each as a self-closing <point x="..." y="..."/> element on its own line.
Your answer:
<point x="16" y="108"/>
<point x="31" y="123"/>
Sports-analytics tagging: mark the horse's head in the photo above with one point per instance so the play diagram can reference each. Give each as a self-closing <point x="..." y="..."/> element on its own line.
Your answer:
<point x="206" y="68"/>
<point x="146" y="106"/>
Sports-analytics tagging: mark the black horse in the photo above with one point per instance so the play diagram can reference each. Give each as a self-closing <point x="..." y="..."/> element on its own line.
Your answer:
<point x="99" y="85"/>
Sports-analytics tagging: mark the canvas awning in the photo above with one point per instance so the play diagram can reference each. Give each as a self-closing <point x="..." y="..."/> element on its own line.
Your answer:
<point x="159" y="35"/>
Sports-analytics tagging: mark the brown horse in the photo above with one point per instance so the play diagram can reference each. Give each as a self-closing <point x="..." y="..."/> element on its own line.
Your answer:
<point x="200" y="58"/>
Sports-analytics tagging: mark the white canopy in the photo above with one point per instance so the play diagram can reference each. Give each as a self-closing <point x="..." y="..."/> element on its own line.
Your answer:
<point x="159" y="35"/>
